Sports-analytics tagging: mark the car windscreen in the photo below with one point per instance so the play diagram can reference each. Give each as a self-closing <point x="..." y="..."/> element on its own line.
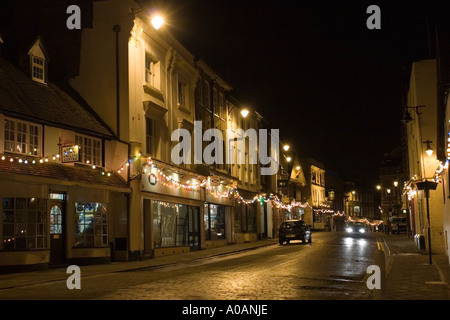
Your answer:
<point x="291" y="224"/>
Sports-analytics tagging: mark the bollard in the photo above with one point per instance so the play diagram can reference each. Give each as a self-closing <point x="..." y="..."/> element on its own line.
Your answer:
<point x="380" y="260"/>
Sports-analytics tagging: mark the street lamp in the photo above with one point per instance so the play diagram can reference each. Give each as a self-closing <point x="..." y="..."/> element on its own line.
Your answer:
<point x="244" y="113"/>
<point x="427" y="186"/>
<point x="157" y="21"/>
<point x="429" y="150"/>
<point x="286" y="147"/>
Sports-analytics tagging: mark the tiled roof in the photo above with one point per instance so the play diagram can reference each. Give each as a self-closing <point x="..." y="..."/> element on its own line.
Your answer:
<point x="63" y="172"/>
<point x="47" y="104"/>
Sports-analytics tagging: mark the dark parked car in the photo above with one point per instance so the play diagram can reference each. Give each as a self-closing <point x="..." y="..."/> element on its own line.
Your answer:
<point x="294" y="230"/>
<point x="356" y="229"/>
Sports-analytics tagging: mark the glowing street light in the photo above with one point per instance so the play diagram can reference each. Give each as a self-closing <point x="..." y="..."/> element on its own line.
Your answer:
<point x="429" y="150"/>
<point x="286" y="147"/>
<point x="244" y="113"/>
<point x="378" y="187"/>
<point x="157" y="22"/>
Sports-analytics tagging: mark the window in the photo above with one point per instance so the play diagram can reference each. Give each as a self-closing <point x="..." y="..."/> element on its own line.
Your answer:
<point x="220" y="106"/>
<point x="38" y="69"/>
<point x="206" y="101"/>
<point x="90" y="150"/>
<point x="182" y="94"/>
<point x="216" y="111"/>
<point x="24" y="224"/>
<point x="170" y="224"/>
<point x="91" y="225"/>
<point x="21" y="137"/>
<point x="200" y="92"/>
<point x="149" y="135"/>
<point x="152" y="72"/>
<point x="214" y="222"/>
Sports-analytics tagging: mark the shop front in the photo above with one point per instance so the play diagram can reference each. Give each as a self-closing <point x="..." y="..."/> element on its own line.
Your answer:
<point x="172" y="211"/>
<point x="53" y="222"/>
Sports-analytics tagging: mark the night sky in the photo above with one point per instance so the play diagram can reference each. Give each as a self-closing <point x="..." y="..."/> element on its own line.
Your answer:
<point x="334" y="88"/>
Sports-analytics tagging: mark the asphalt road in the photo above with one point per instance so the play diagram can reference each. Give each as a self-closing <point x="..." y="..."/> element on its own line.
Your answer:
<point x="333" y="267"/>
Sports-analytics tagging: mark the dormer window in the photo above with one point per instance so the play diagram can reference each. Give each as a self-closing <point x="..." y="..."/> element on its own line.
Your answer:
<point x="38" y="62"/>
<point x="38" y="69"/>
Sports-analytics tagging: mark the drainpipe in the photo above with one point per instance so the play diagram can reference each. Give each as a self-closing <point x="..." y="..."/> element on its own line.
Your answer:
<point x="116" y="29"/>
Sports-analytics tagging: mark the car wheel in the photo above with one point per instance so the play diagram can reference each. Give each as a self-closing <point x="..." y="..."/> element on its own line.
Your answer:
<point x="310" y="239"/>
<point x="280" y="241"/>
<point x="287" y="241"/>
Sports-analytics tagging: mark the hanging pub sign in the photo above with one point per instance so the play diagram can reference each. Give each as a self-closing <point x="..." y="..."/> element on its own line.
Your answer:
<point x="215" y="181"/>
<point x="70" y="154"/>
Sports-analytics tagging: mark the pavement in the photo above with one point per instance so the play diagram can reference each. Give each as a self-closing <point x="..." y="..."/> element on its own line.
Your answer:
<point x="409" y="275"/>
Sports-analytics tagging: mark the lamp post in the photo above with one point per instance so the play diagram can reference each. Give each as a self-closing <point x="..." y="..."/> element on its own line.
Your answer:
<point x="427" y="185"/>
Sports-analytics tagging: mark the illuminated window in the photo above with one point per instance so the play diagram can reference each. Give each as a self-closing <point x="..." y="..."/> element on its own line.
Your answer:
<point x="91" y="224"/>
<point x="21" y="137"/>
<point x="38" y="69"/>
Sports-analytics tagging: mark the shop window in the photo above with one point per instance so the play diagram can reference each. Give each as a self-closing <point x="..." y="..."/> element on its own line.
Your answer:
<point x="24" y="224"/>
<point x="91" y="225"/>
<point x="170" y="224"/>
<point x="21" y="137"/>
<point x="214" y="222"/>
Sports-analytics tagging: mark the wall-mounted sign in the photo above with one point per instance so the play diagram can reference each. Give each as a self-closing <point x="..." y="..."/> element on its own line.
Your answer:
<point x="215" y="181"/>
<point x="70" y="154"/>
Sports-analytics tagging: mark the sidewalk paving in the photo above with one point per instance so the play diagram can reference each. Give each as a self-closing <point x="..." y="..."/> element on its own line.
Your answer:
<point x="410" y="276"/>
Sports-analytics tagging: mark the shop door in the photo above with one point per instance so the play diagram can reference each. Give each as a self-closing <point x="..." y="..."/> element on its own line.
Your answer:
<point x="57" y="233"/>
<point x="194" y="228"/>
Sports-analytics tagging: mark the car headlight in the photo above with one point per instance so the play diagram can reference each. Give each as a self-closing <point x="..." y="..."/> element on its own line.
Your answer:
<point x="362" y="230"/>
<point x="349" y="229"/>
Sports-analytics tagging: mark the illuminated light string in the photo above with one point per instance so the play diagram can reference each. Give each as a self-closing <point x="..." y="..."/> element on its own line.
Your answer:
<point x="168" y="181"/>
<point x="409" y="189"/>
<point x="52" y="159"/>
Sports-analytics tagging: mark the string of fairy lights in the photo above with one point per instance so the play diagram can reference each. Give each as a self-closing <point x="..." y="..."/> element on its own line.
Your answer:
<point x="230" y="192"/>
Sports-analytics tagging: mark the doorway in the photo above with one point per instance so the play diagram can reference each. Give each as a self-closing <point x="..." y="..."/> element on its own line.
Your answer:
<point x="57" y="232"/>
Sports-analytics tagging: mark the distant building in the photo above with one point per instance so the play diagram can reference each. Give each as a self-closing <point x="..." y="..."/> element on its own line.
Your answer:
<point x="390" y="187"/>
<point x="316" y="213"/>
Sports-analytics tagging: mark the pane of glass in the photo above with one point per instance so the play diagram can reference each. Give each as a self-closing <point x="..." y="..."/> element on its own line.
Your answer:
<point x="31" y="242"/>
<point x="8" y="230"/>
<point x="31" y="229"/>
<point x="40" y="229"/>
<point x="21" y="203"/>
<point x="21" y="216"/>
<point x="8" y="217"/>
<point x="21" y="242"/>
<point x="31" y="217"/>
<point x="32" y="203"/>
<point x="8" y="203"/>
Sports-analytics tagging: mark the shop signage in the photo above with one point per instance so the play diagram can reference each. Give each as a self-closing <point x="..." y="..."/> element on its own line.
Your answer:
<point x="215" y="181"/>
<point x="70" y="154"/>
